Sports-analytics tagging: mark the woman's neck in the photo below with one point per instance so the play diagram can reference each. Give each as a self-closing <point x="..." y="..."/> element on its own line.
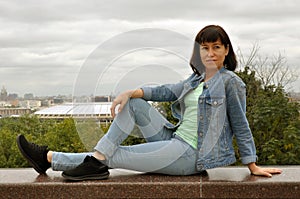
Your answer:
<point x="209" y="74"/>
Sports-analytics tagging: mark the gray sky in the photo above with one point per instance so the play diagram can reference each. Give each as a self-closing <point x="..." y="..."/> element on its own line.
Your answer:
<point x="45" y="45"/>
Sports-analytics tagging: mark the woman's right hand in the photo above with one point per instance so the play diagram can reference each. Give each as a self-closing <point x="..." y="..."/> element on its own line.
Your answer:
<point x="120" y="100"/>
<point x="123" y="98"/>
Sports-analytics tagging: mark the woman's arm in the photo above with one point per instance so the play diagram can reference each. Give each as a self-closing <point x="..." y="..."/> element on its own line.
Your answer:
<point x="237" y="115"/>
<point x="166" y="92"/>
<point x="236" y="111"/>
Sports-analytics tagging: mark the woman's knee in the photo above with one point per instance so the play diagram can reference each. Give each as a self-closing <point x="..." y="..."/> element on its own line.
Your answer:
<point x="138" y="104"/>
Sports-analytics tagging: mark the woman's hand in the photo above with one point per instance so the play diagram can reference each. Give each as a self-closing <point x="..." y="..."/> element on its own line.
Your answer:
<point x="120" y="100"/>
<point x="255" y="170"/>
<point x="123" y="98"/>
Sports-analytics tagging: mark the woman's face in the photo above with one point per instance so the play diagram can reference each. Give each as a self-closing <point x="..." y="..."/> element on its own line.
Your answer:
<point x="213" y="54"/>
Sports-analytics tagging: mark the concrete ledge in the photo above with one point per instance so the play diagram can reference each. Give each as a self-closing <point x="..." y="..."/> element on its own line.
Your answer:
<point x="227" y="182"/>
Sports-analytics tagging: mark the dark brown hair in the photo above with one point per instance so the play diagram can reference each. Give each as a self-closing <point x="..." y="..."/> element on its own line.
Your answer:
<point x="212" y="33"/>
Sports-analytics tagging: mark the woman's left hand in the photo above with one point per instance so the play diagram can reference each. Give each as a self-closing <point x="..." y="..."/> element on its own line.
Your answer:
<point x="255" y="170"/>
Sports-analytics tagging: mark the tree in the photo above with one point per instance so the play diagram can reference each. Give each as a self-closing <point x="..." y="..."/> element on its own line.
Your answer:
<point x="63" y="136"/>
<point x="8" y="149"/>
<point x="273" y="118"/>
<point x="27" y="125"/>
<point x="269" y="70"/>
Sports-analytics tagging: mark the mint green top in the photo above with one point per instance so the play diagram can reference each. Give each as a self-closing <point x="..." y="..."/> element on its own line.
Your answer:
<point x="189" y="126"/>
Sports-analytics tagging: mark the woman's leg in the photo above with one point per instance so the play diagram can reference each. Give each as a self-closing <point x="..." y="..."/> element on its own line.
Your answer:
<point x="162" y="153"/>
<point x="64" y="161"/>
<point x="136" y="112"/>
<point x="173" y="157"/>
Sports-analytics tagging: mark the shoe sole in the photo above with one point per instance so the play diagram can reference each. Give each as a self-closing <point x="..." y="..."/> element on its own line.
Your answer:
<point x="31" y="161"/>
<point x="102" y="176"/>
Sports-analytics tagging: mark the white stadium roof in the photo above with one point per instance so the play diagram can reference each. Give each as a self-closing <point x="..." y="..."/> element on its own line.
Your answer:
<point x="99" y="110"/>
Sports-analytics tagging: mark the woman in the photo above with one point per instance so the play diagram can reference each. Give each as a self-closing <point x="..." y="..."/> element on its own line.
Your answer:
<point x="210" y="106"/>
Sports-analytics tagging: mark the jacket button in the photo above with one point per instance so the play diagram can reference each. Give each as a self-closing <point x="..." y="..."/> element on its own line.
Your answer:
<point x="201" y="134"/>
<point x="201" y="117"/>
<point x="215" y="102"/>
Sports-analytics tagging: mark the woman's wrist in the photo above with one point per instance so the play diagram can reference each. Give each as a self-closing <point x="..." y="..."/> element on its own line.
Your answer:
<point x="135" y="93"/>
<point x="252" y="166"/>
<point x="129" y="93"/>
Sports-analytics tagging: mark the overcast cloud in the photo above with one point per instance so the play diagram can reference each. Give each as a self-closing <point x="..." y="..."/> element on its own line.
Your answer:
<point x="44" y="45"/>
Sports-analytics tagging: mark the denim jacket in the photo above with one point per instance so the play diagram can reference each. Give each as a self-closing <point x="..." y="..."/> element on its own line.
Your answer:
<point x="221" y="115"/>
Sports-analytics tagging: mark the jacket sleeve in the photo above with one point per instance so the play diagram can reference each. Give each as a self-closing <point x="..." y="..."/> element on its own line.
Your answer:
<point x="164" y="93"/>
<point x="236" y="108"/>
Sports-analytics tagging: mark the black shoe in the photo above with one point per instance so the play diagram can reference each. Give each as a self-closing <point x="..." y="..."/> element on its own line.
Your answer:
<point x="35" y="154"/>
<point x="90" y="169"/>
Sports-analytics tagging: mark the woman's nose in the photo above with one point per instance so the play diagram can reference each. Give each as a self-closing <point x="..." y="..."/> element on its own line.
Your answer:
<point x="210" y="52"/>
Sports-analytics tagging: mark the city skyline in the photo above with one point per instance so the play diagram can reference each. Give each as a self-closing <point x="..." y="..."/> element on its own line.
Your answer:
<point x="46" y="45"/>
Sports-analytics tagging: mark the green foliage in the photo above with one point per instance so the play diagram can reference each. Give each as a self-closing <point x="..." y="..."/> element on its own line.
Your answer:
<point x="135" y="137"/>
<point x="63" y="137"/>
<point x="165" y="109"/>
<point x="58" y="135"/>
<point x="9" y="154"/>
<point x="90" y="132"/>
<point x="29" y="126"/>
<point x="274" y="121"/>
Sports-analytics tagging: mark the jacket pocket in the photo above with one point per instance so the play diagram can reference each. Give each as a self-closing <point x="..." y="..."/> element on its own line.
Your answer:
<point x="215" y="101"/>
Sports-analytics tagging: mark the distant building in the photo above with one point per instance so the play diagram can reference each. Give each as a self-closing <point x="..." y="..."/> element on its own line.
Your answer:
<point x="14" y="103"/>
<point x="99" y="111"/>
<point x="4" y="104"/>
<point x="14" y="112"/>
<point x="47" y="103"/>
<point x="3" y="94"/>
<point x="82" y="99"/>
<point x="101" y="99"/>
<point x="30" y="103"/>
<point x="12" y="96"/>
<point x="58" y="101"/>
<point x="294" y="97"/>
<point x="28" y="96"/>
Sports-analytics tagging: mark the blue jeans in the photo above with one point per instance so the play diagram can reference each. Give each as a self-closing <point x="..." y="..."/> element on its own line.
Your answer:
<point x="163" y="153"/>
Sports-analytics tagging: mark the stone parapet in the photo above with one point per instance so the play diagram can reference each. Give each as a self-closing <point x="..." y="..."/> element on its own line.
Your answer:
<point x="225" y="182"/>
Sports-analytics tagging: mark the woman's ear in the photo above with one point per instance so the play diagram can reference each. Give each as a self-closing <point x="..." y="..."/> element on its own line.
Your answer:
<point x="227" y="49"/>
